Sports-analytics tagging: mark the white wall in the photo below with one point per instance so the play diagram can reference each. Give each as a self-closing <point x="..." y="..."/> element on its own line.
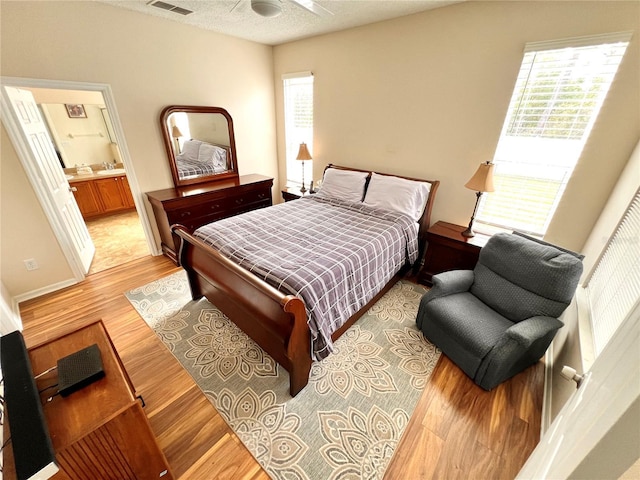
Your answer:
<point x="25" y="231"/>
<point x="149" y="63"/>
<point x="81" y="140"/>
<point x="9" y="318"/>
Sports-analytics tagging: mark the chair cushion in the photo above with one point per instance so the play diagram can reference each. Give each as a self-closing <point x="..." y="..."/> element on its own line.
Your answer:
<point x="521" y="278"/>
<point x="464" y="328"/>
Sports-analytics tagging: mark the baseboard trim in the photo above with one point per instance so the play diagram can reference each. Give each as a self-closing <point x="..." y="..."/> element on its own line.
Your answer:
<point x="545" y="415"/>
<point x="44" y="290"/>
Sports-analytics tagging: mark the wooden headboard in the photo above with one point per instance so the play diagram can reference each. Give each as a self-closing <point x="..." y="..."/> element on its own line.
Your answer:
<point x="425" y="219"/>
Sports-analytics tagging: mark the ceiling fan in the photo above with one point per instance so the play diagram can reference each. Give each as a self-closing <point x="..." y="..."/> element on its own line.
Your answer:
<point x="273" y="8"/>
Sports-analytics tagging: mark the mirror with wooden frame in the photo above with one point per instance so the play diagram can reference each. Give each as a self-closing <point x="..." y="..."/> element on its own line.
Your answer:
<point x="200" y="144"/>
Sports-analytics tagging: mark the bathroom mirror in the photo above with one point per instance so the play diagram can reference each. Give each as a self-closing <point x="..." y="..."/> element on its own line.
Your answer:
<point x="200" y="144"/>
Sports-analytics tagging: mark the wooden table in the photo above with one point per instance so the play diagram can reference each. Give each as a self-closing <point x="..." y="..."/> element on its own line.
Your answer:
<point x="101" y="430"/>
<point x="448" y="250"/>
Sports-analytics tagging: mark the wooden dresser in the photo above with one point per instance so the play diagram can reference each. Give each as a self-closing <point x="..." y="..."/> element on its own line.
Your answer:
<point x="197" y="205"/>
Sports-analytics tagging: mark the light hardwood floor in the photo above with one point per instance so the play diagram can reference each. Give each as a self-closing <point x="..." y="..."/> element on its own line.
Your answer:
<point x="118" y="238"/>
<point x="457" y="431"/>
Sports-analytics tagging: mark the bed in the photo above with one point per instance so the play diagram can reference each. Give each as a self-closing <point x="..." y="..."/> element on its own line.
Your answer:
<point x="261" y="268"/>
<point x="201" y="158"/>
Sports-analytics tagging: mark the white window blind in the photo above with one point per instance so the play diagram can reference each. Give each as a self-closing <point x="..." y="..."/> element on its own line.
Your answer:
<point x="614" y="286"/>
<point x="298" y="124"/>
<point x="557" y="96"/>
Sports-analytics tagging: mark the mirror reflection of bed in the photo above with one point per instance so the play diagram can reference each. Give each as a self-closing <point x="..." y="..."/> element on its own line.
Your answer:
<point x="199" y="142"/>
<point x="198" y="158"/>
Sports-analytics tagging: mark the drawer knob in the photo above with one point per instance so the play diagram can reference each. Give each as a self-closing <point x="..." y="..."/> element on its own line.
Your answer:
<point x="185" y="214"/>
<point x="239" y="201"/>
<point x="215" y="207"/>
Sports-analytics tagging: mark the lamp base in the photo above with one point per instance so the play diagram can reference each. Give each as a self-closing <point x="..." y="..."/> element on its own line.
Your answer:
<point x="468" y="233"/>
<point x="303" y="189"/>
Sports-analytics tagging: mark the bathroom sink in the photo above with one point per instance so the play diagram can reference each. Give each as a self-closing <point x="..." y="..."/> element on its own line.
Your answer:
<point x="115" y="171"/>
<point x="69" y="177"/>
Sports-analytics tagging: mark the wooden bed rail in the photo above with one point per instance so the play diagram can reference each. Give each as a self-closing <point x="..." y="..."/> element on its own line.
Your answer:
<point x="277" y="322"/>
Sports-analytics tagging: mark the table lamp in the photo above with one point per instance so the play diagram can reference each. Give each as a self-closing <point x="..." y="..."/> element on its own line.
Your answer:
<point x="303" y="154"/>
<point x="482" y="181"/>
<point x="176" y="133"/>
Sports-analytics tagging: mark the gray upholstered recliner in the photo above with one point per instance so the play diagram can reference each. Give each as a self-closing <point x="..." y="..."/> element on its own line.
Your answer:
<point x="498" y="319"/>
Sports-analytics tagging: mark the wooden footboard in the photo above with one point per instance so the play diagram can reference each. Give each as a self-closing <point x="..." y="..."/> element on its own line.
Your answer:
<point x="277" y="322"/>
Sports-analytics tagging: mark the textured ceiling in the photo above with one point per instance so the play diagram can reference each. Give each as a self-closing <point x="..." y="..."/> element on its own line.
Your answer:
<point x="235" y="18"/>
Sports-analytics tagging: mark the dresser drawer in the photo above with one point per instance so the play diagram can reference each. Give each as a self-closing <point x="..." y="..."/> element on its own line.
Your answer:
<point x="217" y="208"/>
<point x="191" y="213"/>
<point x="247" y="207"/>
<point x="251" y="197"/>
<point x="197" y="222"/>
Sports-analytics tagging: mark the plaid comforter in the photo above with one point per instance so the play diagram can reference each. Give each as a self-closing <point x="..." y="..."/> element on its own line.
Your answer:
<point x="334" y="255"/>
<point x="189" y="168"/>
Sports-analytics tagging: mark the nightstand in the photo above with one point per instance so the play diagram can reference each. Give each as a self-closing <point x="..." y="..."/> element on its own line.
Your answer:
<point x="292" y="193"/>
<point x="448" y="250"/>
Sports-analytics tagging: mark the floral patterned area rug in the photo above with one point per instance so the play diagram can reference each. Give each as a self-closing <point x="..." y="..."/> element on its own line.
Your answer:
<point x="345" y="424"/>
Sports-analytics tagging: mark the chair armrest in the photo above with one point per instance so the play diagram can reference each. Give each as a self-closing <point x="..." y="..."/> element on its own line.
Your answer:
<point x="444" y="284"/>
<point x="522" y="345"/>
<point x="527" y="331"/>
<point x="450" y="283"/>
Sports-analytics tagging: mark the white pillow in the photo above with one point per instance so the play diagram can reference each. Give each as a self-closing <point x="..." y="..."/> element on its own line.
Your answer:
<point x="191" y="149"/>
<point x="207" y="153"/>
<point x="397" y="194"/>
<point x="220" y="158"/>
<point x="347" y="185"/>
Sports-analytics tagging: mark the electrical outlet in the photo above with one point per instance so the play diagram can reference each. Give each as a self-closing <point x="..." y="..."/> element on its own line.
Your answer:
<point x="31" y="264"/>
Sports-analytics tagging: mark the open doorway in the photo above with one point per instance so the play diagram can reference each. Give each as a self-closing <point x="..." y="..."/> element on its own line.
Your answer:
<point x="78" y="115"/>
<point x="80" y="127"/>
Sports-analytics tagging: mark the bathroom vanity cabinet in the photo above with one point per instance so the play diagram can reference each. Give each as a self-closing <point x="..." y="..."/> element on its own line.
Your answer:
<point x="102" y="196"/>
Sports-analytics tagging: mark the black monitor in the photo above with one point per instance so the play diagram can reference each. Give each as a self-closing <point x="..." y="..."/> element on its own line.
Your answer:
<point x="33" y="452"/>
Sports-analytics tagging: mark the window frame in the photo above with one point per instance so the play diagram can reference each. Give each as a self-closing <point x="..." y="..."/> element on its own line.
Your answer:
<point x="517" y="170"/>
<point x="293" y="135"/>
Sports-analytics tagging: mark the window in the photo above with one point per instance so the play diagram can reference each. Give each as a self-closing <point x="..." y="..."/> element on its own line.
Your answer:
<point x="558" y="94"/>
<point x="614" y="286"/>
<point x="298" y="124"/>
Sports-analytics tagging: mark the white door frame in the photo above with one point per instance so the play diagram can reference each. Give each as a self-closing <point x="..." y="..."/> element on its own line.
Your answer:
<point x="13" y="130"/>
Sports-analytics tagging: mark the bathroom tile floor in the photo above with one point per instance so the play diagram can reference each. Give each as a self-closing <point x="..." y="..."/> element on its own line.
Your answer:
<point x="118" y="238"/>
